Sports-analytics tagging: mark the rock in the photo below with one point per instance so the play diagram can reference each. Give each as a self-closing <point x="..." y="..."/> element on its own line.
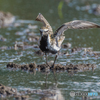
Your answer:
<point x="6" y="91"/>
<point x="25" y="67"/>
<point x="6" y="19"/>
<point x="59" y="67"/>
<point x="29" y="67"/>
<point x="32" y="66"/>
<point x="12" y="65"/>
<point x="44" y="67"/>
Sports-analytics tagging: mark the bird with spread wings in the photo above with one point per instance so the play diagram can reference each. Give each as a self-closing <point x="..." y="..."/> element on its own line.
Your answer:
<point x="51" y="42"/>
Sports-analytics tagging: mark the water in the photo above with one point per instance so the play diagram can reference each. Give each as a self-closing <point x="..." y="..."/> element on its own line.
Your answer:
<point x="26" y="12"/>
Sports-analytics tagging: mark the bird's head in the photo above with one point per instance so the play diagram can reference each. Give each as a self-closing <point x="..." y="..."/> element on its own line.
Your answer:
<point x="44" y="31"/>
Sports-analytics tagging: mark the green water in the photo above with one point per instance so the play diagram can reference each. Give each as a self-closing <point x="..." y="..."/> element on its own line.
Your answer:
<point x="28" y="10"/>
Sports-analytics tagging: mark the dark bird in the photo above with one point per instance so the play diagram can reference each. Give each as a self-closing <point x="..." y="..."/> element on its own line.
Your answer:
<point x="51" y="42"/>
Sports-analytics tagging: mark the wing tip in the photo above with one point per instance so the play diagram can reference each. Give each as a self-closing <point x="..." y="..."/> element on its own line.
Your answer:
<point x="98" y="26"/>
<point x="39" y="17"/>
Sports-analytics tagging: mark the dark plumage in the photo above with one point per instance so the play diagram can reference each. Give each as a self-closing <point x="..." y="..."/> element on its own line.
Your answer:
<point x="43" y="44"/>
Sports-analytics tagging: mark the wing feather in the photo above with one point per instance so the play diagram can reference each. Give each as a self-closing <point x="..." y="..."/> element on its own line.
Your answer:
<point x="41" y="18"/>
<point x="76" y="24"/>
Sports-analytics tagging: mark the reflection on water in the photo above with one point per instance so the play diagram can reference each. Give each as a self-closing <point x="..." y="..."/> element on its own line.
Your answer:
<point x="52" y="93"/>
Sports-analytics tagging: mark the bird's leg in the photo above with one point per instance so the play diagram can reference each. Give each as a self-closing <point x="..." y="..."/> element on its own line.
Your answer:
<point x="54" y="61"/>
<point x="46" y="59"/>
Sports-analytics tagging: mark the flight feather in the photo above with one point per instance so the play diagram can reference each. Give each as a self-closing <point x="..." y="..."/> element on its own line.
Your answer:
<point x="76" y="24"/>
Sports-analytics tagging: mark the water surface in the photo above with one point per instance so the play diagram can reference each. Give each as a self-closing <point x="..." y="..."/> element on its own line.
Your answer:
<point x="27" y="10"/>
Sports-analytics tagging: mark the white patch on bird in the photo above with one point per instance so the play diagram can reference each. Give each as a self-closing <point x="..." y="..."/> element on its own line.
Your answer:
<point x="43" y="30"/>
<point x="56" y="48"/>
<point x="52" y="47"/>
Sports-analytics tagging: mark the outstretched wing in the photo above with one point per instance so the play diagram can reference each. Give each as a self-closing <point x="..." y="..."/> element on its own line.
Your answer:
<point x="76" y="24"/>
<point x="41" y="18"/>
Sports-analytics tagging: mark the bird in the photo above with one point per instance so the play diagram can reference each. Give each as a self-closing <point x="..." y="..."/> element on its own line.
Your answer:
<point x="50" y="42"/>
